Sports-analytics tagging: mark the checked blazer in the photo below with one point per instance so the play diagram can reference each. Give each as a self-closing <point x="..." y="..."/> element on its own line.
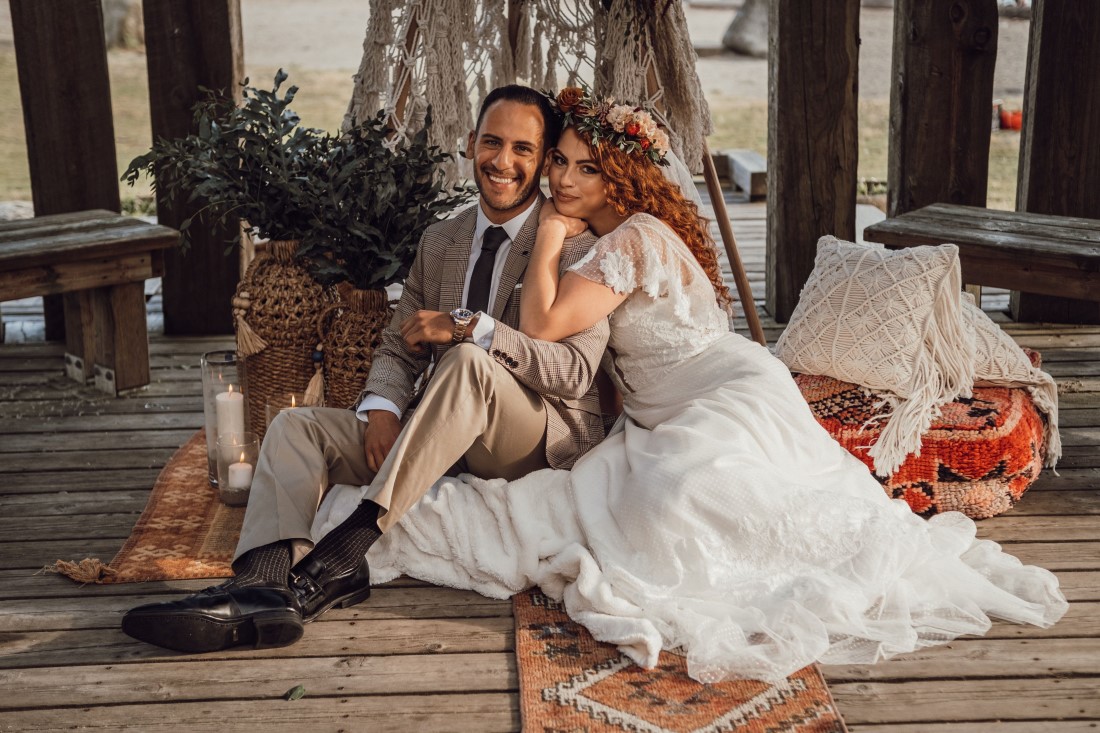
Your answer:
<point x="561" y="373"/>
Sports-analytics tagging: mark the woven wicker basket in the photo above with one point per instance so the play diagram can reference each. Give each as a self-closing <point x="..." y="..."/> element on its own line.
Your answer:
<point x="276" y="310"/>
<point x="347" y="334"/>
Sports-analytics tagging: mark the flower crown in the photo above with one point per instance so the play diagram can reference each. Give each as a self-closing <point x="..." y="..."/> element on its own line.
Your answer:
<point x="630" y="129"/>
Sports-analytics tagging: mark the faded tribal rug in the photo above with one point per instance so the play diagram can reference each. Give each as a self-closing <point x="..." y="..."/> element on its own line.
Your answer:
<point x="569" y="682"/>
<point x="185" y="531"/>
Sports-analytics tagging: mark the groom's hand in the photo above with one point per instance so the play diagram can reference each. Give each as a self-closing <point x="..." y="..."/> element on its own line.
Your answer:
<point x="379" y="437"/>
<point x="427" y="327"/>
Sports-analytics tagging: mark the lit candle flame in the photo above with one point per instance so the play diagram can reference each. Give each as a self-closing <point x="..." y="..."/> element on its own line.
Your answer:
<point x="242" y="456"/>
<point x="231" y="389"/>
<point x="293" y="402"/>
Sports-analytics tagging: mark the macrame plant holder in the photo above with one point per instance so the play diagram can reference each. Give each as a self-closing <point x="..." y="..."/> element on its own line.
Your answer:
<point x="275" y="313"/>
<point x="347" y="334"/>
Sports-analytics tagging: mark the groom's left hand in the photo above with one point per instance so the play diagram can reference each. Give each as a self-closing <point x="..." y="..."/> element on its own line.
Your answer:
<point x="427" y="327"/>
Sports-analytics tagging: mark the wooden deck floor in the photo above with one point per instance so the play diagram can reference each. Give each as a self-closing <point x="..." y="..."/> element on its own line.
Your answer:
<point x="76" y="468"/>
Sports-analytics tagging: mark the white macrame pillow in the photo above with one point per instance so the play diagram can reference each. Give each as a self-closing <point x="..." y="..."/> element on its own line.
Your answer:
<point x="890" y="321"/>
<point x="999" y="361"/>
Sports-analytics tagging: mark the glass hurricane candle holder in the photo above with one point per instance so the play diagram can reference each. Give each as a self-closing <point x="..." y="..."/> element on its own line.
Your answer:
<point x="223" y="403"/>
<point x="281" y="403"/>
<point x="237" y="456"/>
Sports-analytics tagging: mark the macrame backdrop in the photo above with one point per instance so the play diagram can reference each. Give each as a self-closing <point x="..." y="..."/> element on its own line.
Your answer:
<point x="447" y="54"/>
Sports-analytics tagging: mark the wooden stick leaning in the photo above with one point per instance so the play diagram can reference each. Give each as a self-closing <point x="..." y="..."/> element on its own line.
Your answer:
<point x="744" y="289"/>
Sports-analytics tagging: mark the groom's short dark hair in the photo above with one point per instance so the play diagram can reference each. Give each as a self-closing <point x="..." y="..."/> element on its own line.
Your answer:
<point x="551" y="119"/>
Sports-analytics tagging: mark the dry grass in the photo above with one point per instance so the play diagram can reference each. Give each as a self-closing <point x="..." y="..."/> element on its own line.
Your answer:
<point x="323" y="100"/>
<point x="742" y="124"/>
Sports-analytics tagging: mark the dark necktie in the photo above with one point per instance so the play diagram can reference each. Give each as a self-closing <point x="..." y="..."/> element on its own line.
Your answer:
<point x="481" y="281"/>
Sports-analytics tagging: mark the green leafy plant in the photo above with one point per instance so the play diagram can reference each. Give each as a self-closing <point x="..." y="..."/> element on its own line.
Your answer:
<point x="357" y="202"/>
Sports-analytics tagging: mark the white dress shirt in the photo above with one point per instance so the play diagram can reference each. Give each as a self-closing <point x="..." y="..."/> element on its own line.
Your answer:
<point x="483" y="332"/>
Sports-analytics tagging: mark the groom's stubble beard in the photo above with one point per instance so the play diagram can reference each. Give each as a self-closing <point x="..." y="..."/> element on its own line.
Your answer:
<point x="526" y="184"/>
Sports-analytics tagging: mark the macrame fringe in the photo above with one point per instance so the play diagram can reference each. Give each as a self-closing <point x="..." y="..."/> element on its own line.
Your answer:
<point x="315" y="391"/>
<point x="88" y="570"/>
<point x="946" y="373"/>
<point x="248" y="341"/>
<point x="1045" y="396"/>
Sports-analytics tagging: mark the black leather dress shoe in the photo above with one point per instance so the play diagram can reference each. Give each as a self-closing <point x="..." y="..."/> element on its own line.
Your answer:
<point x="218" y="618"/>
<point x="318" y="590"/>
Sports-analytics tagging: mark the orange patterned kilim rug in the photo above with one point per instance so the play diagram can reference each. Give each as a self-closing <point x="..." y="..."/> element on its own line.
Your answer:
<point x="569" y="682"/>
<point x="185" y="531"/>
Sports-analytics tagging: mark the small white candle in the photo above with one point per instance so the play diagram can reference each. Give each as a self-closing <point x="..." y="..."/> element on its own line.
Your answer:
<point x="230" y="408"/>
<point x="240" y="475"/>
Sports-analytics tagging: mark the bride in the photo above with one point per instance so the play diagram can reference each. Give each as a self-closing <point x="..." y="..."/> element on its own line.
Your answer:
<point x="718" y="518"/>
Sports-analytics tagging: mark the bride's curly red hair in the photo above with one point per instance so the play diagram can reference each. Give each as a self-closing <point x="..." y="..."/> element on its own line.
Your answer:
<point x="635" y="185"/>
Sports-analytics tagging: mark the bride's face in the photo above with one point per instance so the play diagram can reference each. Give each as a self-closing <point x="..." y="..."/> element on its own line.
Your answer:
<point x="576" y="182"/>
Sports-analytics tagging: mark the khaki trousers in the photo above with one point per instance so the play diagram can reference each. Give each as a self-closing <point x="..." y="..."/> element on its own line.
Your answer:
<point x="474" y="414"/>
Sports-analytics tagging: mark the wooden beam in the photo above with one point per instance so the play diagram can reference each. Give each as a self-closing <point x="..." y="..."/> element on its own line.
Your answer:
<point x="940" y="103"/>
<point x="61" y="58"/>
<point x="188" y="45"/>
<point x="812" y="141"/>
<point x="1060" y="142"/>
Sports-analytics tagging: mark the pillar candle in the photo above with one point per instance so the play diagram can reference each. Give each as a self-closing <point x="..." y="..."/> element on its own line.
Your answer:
<point x="230" y="408"/>
<point x="240" y="475"/>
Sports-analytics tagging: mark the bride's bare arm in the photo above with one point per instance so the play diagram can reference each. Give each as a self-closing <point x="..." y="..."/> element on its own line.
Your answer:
<point x="551" y="308"/>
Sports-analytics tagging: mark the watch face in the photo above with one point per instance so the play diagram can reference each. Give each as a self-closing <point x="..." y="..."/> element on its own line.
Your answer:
<point x="462" y="314"/>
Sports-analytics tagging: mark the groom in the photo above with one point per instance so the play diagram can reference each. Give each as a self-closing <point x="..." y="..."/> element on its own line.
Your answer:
<point x="499" y="405"/>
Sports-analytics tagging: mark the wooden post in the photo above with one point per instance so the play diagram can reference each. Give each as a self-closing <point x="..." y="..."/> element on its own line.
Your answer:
<point x="1060" y="142"/>
<point x="188" y="45"/>
<point x="61" y="58"/>
<point x="940" y="103"/>
<point x="812" y="142"/>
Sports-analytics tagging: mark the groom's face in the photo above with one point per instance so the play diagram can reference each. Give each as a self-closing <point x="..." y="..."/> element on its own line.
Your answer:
<point x="507" y="152"/>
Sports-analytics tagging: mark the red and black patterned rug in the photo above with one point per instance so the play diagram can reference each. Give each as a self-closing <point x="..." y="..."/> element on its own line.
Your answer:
<point x="571" y="683"/>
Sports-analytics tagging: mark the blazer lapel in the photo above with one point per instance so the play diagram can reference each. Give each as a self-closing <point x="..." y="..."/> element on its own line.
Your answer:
<point x="516" y="264"/>
<point x="455" y="261"/>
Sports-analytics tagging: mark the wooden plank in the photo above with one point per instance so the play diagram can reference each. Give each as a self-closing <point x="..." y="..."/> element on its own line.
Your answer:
<point x="122" y="339"/>
<point x="1080" y="503"/>
<point x="91" y="481"/>
<point x="60" y="47"/>
<point x="812" y="138"/>
<point x="234" y="679"/>
<point x="943" y="58"/>
<point x="912" y="701"/>
<point x="107" y="235"/>
<point x="16" y="463"/>
<point x="460" y="713"/>
<point x="95" y="526"/>
<point x="322" y="639"/>
<point x="1057" y="555"/>
<point x="53" y="614"/>
<point x="64" y="503"/>
<point x="62" y="277"/>
<point x="1016" y="658"/>
<point x="1059" y="160"/>
<point x="90" y="441"/>
<point x="985" y="726"/>
<point x="34" y="555"/>
<point x="1021" y="528"/>
<point x="72" y="425"/>
<point x="189" y="46"/>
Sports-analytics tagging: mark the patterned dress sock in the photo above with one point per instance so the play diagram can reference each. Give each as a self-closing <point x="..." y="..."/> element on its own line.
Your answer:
<point x="267" y="565"/>
<point x="342" y="549"/>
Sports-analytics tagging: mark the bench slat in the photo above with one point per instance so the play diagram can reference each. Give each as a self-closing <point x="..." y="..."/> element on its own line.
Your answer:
<point x="1033" y="253"/>
<point x="67" y="277"/>
<point x="103" y="240"/>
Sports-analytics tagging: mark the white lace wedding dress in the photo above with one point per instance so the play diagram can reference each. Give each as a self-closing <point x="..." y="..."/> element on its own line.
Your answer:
<point x="719" y="518"/>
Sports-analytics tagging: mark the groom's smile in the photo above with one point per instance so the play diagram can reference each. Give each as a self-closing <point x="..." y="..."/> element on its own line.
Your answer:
<point x="507" y="151"/>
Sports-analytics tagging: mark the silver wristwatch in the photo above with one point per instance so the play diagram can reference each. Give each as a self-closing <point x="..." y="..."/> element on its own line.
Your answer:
<point x="462" y="318"/>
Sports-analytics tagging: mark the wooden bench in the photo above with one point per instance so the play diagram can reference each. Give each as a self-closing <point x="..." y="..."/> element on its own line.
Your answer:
<point x="99" y="261"/>
<point x="1033" y="253"/>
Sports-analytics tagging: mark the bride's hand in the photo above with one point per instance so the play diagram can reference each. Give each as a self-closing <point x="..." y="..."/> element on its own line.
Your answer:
<point x="550" y="216"/>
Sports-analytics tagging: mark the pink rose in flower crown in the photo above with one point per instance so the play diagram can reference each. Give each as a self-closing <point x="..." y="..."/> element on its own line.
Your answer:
<point x="618" y="116"/>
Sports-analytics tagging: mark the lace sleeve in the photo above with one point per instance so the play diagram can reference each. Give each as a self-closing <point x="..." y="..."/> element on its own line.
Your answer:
<point x="624" y="260"/>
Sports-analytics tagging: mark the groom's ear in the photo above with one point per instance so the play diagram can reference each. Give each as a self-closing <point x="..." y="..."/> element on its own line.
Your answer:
<point x="470" y="145"/>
